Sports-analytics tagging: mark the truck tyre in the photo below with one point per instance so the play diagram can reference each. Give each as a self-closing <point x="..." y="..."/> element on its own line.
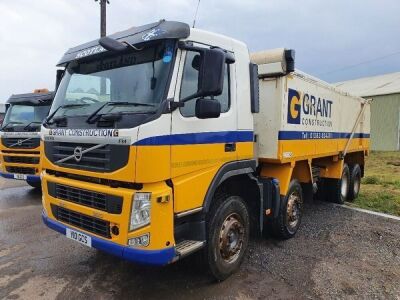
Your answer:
<point x="227" y="236"/>
<point x="338" y="189"/>
<point x="288" y="221"/>
<point x="355" y="182"/>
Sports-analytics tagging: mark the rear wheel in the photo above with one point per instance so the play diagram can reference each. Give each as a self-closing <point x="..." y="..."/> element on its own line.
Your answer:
<point x="338" y="189"/>
<point x="290" y="214"/>
<point x="355" y="182"/>
<point x="228" y="237"/>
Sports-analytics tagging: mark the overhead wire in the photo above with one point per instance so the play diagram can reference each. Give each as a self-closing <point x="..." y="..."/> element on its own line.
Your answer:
<point x="360" y="63"/>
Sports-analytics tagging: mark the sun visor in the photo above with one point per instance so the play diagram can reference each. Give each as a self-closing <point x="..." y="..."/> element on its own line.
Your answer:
<point x="134" y="36"/>
<point x="32" y="98"/>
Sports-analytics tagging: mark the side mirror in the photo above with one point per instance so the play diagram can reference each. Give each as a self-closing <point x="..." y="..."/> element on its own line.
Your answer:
<point x="59" y="76"/>
<point x="211" y="73"/>
<point x="207" y="108"/>
<point x="211" y="66"/>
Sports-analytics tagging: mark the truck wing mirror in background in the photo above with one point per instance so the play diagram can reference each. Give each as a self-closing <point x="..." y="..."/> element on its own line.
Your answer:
<point x="207" y="108"/>
<point x="59" y="76"/>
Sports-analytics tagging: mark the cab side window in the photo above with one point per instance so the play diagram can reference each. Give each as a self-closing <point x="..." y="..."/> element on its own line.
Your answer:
<point x="189" y="86"/>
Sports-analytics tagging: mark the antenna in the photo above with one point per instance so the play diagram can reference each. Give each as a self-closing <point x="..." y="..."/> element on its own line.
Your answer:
<point x="195" y="15"/>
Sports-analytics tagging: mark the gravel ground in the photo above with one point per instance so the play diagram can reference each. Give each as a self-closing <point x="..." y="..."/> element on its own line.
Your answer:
<point x="338" y="253"/>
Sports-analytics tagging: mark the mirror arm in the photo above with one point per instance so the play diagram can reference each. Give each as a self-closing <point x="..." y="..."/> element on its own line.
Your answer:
<point x="190" y="97"/>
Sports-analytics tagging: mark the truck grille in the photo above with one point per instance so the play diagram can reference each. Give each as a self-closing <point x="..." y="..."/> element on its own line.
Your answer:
<point x="99" y="159"/>
<point x="90" y="224"/>
<point x="20" y="170"/>
<point x="108" y="203"/>
<point x="21" y="143"/>
<point x="21" y="159"/>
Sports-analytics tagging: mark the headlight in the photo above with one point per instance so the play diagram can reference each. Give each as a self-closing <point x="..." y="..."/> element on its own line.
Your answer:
<point x="140" y="212"/>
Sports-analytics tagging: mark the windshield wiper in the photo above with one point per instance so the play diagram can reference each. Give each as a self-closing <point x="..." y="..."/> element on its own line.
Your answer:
<point x="9" y="123"/>
<point x="47" y="120"/>
<point x="29" y="124"/>
<point x="114" y="103"/>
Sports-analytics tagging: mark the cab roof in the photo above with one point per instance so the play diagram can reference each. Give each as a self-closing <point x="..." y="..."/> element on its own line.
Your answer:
<point x="32" y="98"/>
<point x="135" y="35"/>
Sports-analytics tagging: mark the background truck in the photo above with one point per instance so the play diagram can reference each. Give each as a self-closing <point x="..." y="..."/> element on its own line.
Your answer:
<point x="20" y="136"/>
<point x="164" y="140"/>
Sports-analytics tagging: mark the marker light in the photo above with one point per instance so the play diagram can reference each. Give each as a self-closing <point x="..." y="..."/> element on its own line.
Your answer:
<point x="140" y="212"/>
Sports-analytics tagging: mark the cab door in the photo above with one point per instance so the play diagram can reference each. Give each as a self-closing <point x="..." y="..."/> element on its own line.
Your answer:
<point x="199" y="147"/>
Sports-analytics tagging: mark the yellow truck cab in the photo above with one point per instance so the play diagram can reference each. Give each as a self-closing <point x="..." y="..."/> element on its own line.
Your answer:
<point x="164" y="140"/>
<point x="20" y="136"/>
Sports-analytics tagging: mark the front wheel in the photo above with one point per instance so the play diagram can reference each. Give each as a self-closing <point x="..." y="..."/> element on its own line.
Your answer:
<point x="228" y="237"/>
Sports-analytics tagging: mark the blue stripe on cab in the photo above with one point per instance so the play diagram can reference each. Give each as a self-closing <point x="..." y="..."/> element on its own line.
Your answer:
<point x="316" y="135"/>
<point x="198" y="138"/>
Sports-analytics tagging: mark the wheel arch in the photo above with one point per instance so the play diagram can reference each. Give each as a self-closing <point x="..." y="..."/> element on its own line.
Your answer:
<point x="237" y="179"/>
<point x="225" y="175"/>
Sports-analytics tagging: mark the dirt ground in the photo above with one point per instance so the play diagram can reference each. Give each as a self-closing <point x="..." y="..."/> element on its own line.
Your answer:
<point x="338" y="253"/>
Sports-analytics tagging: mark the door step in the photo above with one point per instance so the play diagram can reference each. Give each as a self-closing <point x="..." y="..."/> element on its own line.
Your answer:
<point x="188" y="246"/>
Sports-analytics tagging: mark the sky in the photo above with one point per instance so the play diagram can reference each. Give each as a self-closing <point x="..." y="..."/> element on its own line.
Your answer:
<point x="335" y="40"/>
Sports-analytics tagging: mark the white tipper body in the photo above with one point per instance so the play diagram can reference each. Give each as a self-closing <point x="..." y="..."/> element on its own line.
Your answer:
<point x="324" y="113"/>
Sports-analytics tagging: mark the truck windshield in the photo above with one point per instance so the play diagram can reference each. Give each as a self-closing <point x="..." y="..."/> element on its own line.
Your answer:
<point x="23" y="114"/>
<point x="138" y="77"/>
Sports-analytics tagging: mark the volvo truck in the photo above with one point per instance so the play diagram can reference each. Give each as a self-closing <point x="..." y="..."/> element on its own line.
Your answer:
<point x="165" y="140"/>
<point x="20" y="136"/>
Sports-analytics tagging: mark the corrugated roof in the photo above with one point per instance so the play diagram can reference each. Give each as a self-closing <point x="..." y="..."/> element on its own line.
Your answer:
<point x="372" y="86"/>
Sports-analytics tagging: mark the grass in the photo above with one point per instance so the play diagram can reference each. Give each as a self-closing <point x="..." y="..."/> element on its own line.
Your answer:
<point x="380" y="188"/>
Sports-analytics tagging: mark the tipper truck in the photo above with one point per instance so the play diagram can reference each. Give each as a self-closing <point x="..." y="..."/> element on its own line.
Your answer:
<point x="165" y="140"/>
<point x="20" y="136"/>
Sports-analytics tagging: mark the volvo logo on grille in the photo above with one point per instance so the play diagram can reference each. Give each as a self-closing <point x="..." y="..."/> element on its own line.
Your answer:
<point x="78" y="154"/>
<point x="20" y="142"/>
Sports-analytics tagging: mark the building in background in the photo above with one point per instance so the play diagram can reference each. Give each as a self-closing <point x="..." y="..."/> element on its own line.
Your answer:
<point x="2" y="112"/>
<point x="385" y="108"/>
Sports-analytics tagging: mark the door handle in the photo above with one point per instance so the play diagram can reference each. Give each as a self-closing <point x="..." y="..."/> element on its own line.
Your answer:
<point x="230" y="147"/>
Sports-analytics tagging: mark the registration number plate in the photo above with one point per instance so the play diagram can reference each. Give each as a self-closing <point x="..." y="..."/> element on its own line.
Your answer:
<point x="20" y="176"/>
<point x="79" y="237"/>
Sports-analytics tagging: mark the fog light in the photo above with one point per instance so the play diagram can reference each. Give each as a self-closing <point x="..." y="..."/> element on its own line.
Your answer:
<point x="140" y="241"/>
<point x="115" y="230"/>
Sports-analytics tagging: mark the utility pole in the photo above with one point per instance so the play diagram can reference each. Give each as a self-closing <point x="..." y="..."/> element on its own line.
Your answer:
<point x="103" y="16"/>
<point x="103" y="32"/>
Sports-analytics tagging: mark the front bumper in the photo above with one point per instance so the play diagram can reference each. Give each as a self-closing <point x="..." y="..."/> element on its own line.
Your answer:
<point x="148" y="257"/>
<point x="29" y="178"/>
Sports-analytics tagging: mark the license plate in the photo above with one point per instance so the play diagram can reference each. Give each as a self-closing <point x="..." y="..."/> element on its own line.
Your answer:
<point x="20" y="176"/>
<point x="79" y="237"/>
